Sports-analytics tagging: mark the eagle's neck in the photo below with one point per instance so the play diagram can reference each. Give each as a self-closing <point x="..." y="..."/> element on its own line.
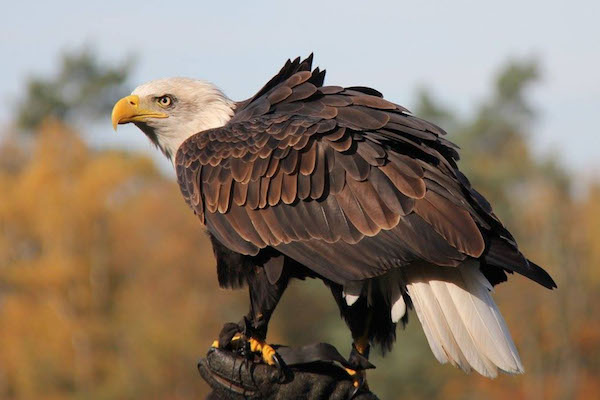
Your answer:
<point x="214" y="111"/>
<point x="214" y="115"/>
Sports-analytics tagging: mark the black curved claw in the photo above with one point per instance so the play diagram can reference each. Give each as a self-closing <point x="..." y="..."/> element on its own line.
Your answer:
<point x="283" y="372"/>
<point x="362" y="385"/>
<point x="354" y="392"/>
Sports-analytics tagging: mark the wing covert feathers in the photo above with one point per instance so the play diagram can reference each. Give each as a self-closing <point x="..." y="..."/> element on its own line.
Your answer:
<point x="325" y="173"/>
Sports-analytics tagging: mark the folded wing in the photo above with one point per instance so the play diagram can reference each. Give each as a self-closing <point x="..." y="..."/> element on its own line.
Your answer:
<point x="343" y="181"/>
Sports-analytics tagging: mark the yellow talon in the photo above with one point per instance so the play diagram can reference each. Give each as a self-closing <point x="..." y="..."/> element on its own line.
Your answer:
<point x="361" y="344"/>
<point x="358" y="377"/>
<point x="266" y="351"/>
<point x="354" y="376"/>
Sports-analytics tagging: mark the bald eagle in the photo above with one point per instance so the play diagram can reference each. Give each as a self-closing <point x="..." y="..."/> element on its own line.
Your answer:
<point x="306" y="180"/>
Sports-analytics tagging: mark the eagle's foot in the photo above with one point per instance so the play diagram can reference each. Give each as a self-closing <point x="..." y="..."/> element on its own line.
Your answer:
<point x="245" y="340"/>
<point x="359" y="379"/>
<point x="248" y="345"/>
<point x="359" y="360"/>
<point x="268" y="354"/>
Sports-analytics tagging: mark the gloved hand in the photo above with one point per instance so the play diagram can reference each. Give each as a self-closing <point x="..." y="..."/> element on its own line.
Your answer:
<point x="235" y="377"/>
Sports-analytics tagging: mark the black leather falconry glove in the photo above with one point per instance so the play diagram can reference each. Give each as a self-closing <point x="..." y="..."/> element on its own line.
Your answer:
<point x="236" y="377"/>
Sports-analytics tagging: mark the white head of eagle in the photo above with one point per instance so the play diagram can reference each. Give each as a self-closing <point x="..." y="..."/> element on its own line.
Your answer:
<point x="171" y="110"/>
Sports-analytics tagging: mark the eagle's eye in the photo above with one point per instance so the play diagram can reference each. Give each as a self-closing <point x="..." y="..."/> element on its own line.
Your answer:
<point x="164" y="101"/>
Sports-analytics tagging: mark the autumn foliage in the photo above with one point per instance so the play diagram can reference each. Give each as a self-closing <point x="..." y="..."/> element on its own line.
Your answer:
<point x="107" y="281"/>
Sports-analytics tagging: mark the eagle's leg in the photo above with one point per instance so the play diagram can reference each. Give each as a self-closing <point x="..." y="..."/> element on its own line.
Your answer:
<point x="251" y="333"/>
<point x="359" y="355"/>
<point x="264" y="297"/>
<point x="359" y="318"/>
<point x="233" y="271"/>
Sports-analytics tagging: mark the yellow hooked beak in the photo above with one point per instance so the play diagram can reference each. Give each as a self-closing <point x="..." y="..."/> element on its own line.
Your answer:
<point x="128" y="110"/>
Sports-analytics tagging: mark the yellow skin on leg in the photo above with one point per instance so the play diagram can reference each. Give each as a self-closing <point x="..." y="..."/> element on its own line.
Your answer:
<point x="256" y="346"/>
<point x="361" y="344"/>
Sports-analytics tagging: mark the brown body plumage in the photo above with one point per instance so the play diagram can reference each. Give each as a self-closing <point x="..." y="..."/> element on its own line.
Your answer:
<point x="321" y="173"/>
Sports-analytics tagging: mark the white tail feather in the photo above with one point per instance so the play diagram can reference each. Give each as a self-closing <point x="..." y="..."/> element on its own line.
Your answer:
<point x="433" y="341"/>
<point x="460" y="319"/>
<point x="461" y="333"/>
<point x="439" y="326"/>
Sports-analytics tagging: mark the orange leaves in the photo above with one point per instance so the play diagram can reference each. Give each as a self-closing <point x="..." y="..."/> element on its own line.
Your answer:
<point x="104" y="275"/>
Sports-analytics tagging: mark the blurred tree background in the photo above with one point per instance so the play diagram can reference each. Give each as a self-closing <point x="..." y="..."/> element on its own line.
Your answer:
<point x="108" y="286"/>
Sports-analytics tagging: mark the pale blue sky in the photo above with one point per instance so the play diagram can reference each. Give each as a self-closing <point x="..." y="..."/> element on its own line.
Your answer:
<point x="454" y="48"/>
